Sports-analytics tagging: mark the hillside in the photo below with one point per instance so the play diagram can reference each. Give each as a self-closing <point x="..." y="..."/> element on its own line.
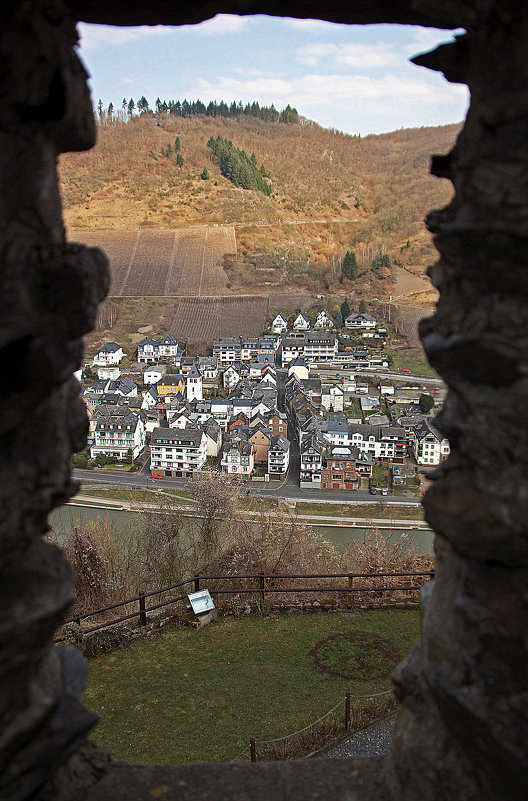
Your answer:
<point x="330" y="192"/>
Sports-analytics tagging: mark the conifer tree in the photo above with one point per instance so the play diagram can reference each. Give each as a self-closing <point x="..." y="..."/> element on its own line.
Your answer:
<point x="345" y="309"/>
<point x="350" y="266"/>
<point x="205" y="174"/>
<point x="362" y="306"/>
<point x="179" y="160"/>
<point x="131" y="107"/>
<point x="177" y="144"/>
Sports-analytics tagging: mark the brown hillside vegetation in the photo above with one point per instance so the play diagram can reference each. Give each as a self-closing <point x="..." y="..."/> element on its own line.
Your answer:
<point x="331" y="192"/>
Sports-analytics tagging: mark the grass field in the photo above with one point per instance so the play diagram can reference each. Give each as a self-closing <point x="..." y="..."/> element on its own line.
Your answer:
<point x="378" y="511"/>
<point x="189" y="695"/>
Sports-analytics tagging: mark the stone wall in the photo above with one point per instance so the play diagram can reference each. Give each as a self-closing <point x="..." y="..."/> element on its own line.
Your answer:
<point x="462" y="730"/>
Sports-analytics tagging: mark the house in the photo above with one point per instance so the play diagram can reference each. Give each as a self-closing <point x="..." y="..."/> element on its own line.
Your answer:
<point x="429" y="446"/>
<point x="279" y="324"/>
<point x="301" y="323"/>
<point x="148" y="351"/>
<point x="360" y="322"/>
<point x="299" y="368"/>
<point x="170" y="384"/>
<point x="153" y="373"/>
<point x="320" y="346"/>
<point x="168" y="348"/>
<point x="278" y="456"/>
<point x="337" y="429"/>
<point x="110" y="373"/>
<point x="323" y="320"/>
<point x="231" y="376"/>
<point x="237" y="457"/>
<point x="123" y="386"/>
<point x="382" y="443"/>
<point x="227" y="350"/>
<point x="339" y="469"/>
<point x="208" y="367"/>
<point x="221" y="410"/>
<point x="213" y="434"/>
<point x="150" y="397"/>
<point x="110" y="353"/>
<point x="332" y="397"/>
<point x="292" y="348"/>
<point x="177" y="452"/>
<point x="386" y="389"/>
<point x="260" y="437"/>
<point x="312" y="449"/>
<point x="119" y="436"/>
<point x="194" y="384"/>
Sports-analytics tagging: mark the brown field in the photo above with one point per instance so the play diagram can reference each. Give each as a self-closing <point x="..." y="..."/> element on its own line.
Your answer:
<point x="202" y="319"/>
<point x="161" y="262"/>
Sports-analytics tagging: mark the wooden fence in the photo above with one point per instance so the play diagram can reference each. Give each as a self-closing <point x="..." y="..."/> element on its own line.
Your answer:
<point x="259" y="585"/>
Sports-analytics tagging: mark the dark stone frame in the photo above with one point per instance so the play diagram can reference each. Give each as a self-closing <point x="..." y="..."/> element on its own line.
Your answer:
<point x="462" y="727"/>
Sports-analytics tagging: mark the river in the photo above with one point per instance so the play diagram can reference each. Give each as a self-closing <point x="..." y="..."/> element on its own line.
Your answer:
<point x="67" y="517"/>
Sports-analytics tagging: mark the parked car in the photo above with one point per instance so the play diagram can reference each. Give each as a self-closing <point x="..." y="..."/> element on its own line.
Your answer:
<point x="157" y="475"/>
<point x="373" y="490"/>
<point x="384" y="491"/>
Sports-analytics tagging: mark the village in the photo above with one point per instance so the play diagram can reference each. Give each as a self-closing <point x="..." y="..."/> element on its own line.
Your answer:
<point x="305" y="401"/>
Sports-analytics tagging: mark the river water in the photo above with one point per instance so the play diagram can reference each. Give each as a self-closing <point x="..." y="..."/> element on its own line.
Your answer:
<point x="67" y="517"/>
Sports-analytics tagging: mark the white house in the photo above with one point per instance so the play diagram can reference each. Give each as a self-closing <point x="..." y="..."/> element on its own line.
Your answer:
<point x="110" y="353"/>
<point x="123" y="386"/>
<point x="360" y="322"/>
<point x="119" y="436"/>
<point x="208" y="367"/>
<point x="177" y="452"/>
<point x="148" y="351"/>
<point x="150" y="398"/>
<point x="237" y="457"/>
<point x="110" y="373"/>
<point x="279" y="324"/>
<point x="168" y="348"/>
<point x="332" y="397"/>
<point x="231" y="376"/>
<point x="323" y="320"/>
<point x="429" y="446"/>
<point x="311" y="462"/>
<point x="299" y="368"/>
<point x="153" y="373"/>
<point x="320" y="346"/>
<point x="194" y="384"/>
<point x="278" y="456"/>
<point x="301" y="323"/>
<point x="386" y="389"/>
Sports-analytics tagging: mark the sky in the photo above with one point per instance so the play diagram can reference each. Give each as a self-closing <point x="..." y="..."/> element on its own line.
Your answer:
<point x="357" y="79"/>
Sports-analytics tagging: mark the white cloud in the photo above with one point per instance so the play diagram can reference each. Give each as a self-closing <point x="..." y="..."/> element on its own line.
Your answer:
<point x="393" y="99"/>
<point x="220" y="25"/>
<point x="365" y="56"/>
<point x="425" y="39"/>
<point x="95" y="36"/>
<point x="309" y="25"/>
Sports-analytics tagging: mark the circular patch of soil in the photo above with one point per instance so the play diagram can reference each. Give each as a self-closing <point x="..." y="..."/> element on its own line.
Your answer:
<point x="355" y="656"/>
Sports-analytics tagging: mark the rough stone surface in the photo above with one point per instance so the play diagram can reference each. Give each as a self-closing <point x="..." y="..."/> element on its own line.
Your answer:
<point x="462" y="728"/>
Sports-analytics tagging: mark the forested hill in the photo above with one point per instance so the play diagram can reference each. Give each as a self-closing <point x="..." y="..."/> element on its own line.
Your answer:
<point x="322" y="192"/>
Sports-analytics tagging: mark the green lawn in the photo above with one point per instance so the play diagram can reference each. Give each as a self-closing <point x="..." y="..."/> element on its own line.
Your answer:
<point x="190" y="695"/>
<point x="376" y="511"/>
<point x="134" y="496"/>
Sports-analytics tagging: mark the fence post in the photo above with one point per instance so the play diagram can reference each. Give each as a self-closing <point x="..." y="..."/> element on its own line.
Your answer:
<point x="349" y="593"/>
<point x="252" y="749"/>
<point x="142" y="613"/>
<point x="261" y="576"/>
<point x="196" y="582"/>
<point x="347" y="711"/>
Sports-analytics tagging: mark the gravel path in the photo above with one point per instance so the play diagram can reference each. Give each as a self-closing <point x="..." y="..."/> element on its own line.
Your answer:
<point x="374" y="740"/>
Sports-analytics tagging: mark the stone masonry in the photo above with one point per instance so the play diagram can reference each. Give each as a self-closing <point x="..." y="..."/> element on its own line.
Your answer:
<point x="462" y="730"/>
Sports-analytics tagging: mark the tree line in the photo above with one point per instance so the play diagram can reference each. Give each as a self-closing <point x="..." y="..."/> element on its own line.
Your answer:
<point x="238" y="167"/>
<point x="186" y="108"/>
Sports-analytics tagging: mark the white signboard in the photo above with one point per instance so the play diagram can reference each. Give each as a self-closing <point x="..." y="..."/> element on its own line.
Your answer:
<point x="201" y="602"/>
